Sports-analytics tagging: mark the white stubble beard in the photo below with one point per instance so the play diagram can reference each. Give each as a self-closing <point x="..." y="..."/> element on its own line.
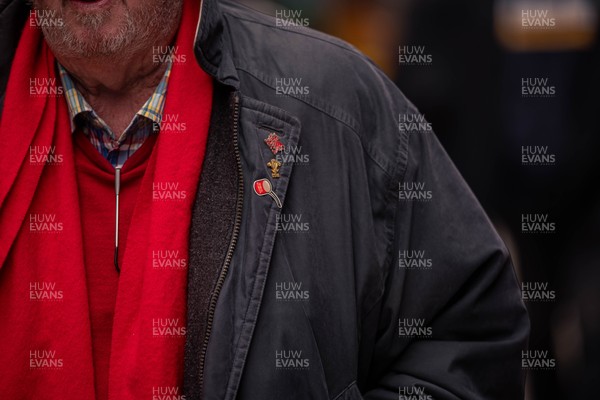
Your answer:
<point x="139" y="29"/>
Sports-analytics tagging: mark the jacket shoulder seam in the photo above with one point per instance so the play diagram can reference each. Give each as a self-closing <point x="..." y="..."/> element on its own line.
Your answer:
<point x="307" y="32"/>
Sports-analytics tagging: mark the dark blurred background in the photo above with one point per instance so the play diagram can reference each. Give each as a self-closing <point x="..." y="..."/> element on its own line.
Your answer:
<point x="471" y="89"/>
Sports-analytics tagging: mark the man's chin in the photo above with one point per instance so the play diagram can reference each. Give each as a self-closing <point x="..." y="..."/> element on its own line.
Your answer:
<point x="91" y="35"/>
<point x="100" y="28"/>
<point x="97" y="25"/>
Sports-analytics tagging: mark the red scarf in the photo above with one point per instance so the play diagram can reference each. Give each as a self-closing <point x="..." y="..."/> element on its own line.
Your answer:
<point x="45" y="338"/>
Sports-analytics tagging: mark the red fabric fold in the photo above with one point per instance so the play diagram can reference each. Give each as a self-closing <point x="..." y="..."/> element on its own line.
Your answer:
<point x="46" y="349"/>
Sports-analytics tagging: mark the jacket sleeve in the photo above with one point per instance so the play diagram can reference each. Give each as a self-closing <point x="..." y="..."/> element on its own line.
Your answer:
<point x="450" y="322"/>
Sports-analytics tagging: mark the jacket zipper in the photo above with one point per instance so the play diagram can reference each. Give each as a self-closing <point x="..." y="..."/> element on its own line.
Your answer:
<point x="234" y="238"/>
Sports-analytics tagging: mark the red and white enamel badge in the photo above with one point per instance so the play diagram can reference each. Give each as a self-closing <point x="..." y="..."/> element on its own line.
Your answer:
<point x="263" y="187"/>
<point x="274" y="143"/>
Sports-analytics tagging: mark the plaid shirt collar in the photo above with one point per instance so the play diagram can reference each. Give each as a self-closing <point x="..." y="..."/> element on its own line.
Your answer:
<point x="115" y="149"/>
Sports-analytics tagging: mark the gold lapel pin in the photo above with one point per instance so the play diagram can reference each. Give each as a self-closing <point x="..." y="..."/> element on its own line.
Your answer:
<point x="274" y="165"/>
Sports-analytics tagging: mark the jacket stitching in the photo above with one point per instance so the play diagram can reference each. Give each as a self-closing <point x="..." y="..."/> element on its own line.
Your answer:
<point x="345" y="390"/>
<point x="308" y="32"/>
<point x="367" y="150"/>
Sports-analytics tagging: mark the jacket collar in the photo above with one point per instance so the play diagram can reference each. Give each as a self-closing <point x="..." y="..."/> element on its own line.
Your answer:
<point x="212" y="44"/>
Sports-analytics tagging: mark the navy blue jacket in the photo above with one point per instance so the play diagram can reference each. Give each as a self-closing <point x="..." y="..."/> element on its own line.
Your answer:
<point x="381" y="275"/>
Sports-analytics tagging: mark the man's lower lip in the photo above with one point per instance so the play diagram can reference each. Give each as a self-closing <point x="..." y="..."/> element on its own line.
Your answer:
<point x="88" y="4"/>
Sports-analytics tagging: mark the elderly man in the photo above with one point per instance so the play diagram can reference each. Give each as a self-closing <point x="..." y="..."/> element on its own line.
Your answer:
<point x="201" y="202"/>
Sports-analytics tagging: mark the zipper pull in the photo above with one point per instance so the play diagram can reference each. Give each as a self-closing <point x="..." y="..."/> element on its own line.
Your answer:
<point x="117" y="191"/>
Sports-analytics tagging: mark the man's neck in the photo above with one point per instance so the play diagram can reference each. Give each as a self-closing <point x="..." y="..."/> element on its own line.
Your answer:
<point x="116" y="89"/>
